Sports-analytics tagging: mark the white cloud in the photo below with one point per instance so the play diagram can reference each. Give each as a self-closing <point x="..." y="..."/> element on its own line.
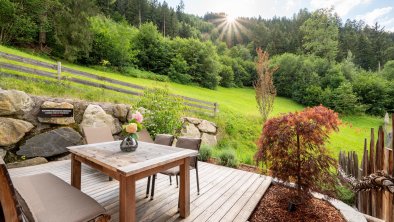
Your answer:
<point x="388" y="24"/>
<point x="377" y="15"/>
<point x="342" y="7"/>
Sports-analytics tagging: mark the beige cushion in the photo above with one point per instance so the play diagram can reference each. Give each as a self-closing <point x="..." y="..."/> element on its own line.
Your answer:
<point x="98" y="134"/>
<point x="144" y="136"/>
<point x="51" y="199"/>
<point x="174" y="171"/>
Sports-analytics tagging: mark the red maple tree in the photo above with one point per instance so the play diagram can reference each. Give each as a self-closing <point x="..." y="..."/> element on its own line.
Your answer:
<point x="293" y="148"/>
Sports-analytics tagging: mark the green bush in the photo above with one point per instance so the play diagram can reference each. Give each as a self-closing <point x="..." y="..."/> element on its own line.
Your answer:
<point x="346" y="195"/>
<point x="228" y="158"/>
<point x="202" y="61"/>
<point x="162" y="111"/>
<point x="227" y="76"/>
<point x="205" y="153"/>
<point x="112" y="42"/>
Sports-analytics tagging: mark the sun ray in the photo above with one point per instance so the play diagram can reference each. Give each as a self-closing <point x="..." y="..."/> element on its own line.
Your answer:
<point x="230" y="28"/>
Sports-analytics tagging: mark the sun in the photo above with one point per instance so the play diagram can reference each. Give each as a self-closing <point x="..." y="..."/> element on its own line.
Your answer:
<point x="231" y="19"/>
<point x="230" y="27"/>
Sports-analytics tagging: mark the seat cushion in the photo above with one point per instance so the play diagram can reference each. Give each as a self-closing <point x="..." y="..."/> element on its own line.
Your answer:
<point x="174" y="171"/>
<point x="48" y="198"/>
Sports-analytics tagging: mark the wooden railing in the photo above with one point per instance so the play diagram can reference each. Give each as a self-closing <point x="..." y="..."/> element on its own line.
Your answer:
<point x="376" y="157"/>
<point x="195" y="105"/>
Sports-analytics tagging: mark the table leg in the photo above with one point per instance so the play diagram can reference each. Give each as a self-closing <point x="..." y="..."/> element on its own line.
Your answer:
<point x="127" y="203"/>
<point x="75" y="172"/>
<point x="184" y="191"/>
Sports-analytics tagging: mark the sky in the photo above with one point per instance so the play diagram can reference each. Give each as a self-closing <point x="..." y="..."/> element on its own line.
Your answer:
<point x="370" y="11"/>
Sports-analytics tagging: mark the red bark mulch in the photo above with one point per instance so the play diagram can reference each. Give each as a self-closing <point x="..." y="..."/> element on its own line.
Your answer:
<point x="273" y="208"/>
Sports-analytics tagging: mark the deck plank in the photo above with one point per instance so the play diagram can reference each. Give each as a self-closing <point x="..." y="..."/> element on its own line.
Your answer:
<point x="252" y="202"/>
<point x="226" y="194"/>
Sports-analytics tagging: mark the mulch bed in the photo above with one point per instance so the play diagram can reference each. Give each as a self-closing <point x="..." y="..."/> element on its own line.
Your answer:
<point x="273" y="208"/>
<point x="249" y="168"/>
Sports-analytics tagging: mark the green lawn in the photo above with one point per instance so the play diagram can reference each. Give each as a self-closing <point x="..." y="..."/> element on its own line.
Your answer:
<point x="238" y="119"/>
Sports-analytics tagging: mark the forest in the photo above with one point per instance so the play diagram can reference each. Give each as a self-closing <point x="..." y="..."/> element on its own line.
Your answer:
<point x="345" y="65"/>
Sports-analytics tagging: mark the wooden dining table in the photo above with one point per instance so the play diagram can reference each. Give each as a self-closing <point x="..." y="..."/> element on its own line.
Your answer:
<point x="128" y="167"/>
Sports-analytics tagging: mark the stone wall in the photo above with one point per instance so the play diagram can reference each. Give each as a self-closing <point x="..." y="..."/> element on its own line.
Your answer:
<point x="199" y="128"/>
<point x="24" y="134"/>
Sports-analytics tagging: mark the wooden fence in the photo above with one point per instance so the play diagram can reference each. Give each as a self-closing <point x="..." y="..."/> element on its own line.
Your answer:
<point x="376" y="157"/>
<point x="195" y="105"/>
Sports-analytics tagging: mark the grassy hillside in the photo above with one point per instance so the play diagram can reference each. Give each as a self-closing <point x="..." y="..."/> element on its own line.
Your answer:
<point x="238" y="118"/>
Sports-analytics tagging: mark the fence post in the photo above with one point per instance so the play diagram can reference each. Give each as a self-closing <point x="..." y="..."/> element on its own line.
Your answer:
<point x="59" y="71"/>
<point x="216" y="109"/>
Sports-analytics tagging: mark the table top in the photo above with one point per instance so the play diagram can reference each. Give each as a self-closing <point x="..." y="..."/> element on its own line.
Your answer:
<point x="147" y="155"/>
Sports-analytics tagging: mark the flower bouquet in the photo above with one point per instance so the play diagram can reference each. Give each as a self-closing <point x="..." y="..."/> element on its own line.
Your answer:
<point x="130" y="142"/>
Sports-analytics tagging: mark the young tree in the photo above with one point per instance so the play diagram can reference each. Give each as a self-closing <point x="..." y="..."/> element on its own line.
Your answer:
<point x="264" y="86"/>
<point x="293" y="146"/>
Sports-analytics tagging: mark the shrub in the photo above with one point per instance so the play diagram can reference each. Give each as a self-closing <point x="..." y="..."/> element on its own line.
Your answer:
<point x="293" y="146"/>
<point x="178" y="70"/>
<point x="346" y="195"/>
<point x="162" y="112"/>
<point x="228" y="158"/>
<point x="373" y="91"/>
<point x="344" y="100"/>
<point x="227" y="76"/>
<point x="112" y="42"/>
<point x="154" y="53"/>
<point x="201" y="61"/>
<point x="205" y="153"/>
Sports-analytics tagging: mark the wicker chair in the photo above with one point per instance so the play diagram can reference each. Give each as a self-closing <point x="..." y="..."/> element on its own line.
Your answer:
<point x="44" y="197"/>
<point x="186" y="143"/>
<point x="162" y="139"/>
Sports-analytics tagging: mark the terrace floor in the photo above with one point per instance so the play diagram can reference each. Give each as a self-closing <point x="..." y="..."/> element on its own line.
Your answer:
<point x="226" y="194"/>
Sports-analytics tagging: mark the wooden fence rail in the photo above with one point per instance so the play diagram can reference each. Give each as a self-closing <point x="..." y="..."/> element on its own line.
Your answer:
<point x="196" y="105"/>
<point x="377" y="203"/>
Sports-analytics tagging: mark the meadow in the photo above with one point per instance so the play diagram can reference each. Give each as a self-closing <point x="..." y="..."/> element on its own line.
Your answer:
<point x="238" y="119"/>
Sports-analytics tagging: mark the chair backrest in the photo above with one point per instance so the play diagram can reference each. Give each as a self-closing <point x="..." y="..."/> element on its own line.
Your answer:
<point x="97" y="134"/>
<point x="191" y="144"/>
<point x="164" y="139"/>
<point x="144" y="136"/>
<point x="10" y="207"/>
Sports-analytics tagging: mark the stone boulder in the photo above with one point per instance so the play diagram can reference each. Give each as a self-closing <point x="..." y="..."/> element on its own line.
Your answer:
<point x="207" y="127"/>
<point x="208" y="139"/>
<point x="191" y="131"/>
<point x="57" y="120"/>
<point x="120" y="111"/>
<point x="13" y="130"/>
<point x="14" y="102"/>
<point x="3" y="153"/>
<point x="79" y="110"/>
<point x="51" y="143"/>
<point x="192" y="120"/>
<point x="95" y="116"/>
<point x="29" y="162"/>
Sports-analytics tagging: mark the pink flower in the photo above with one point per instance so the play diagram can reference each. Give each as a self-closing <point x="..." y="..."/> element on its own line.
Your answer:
<point x="138" y="117"/>
<point x="131" y="128"/>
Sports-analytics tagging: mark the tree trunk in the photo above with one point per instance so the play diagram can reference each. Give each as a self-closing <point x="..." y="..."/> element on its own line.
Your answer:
<point x="299" y="166"/>
<point x="42" y="35"/>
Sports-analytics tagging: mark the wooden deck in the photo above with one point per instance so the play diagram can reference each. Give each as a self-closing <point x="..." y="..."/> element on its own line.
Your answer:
<point x="226" y="194"/>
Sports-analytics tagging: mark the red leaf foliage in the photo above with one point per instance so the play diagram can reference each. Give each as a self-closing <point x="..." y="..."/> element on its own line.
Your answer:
<point x="293" y="147"/>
